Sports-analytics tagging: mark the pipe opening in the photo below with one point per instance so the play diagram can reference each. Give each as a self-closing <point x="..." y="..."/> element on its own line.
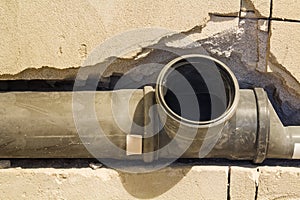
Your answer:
<point x="197" y="89"/>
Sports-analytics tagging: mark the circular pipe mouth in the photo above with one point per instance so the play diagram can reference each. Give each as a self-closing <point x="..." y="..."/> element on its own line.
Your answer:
<point x="197" y="90"/>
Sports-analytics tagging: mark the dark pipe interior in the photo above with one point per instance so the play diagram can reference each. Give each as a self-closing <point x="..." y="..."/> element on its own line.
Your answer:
<point x="191" y="70"/>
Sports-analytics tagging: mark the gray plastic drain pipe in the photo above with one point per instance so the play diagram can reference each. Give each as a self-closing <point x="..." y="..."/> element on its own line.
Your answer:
<point x="216" y="120"/>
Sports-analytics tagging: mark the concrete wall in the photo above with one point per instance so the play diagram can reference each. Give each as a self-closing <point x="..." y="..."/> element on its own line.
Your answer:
<point x="175" y="182"/>
<point x="258" y="39"/>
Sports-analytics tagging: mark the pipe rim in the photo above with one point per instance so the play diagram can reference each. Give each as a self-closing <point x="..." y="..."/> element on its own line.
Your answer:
<point x="230" y="110"/>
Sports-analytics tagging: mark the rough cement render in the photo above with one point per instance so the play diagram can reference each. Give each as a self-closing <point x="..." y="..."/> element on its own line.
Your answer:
<point x="198" y="182"/>
<point x="286" y="9"/>
<point x="279" y="183"/>
<point x="284" y="47"/>
<point x="180" y="181"/>
<point x="64" y="36"/>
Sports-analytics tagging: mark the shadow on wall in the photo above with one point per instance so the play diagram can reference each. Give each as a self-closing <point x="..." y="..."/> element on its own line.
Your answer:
<point x="152" y="184"/>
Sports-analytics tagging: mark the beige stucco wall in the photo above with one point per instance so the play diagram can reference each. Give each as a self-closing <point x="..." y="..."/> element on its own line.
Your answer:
<point x="56" y="35"/>
<point x="61" y="34"/>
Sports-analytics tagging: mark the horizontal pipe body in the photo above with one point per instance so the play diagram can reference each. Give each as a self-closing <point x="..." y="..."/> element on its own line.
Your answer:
<point x="284" y="141"/>
<point x="41" y="124"/>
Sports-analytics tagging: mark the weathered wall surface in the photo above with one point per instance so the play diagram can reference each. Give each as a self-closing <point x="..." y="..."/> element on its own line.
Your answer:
<point x="170" y="183"/>
<point x="264" y="183"/>
<point x="61" y="34"/>
<point x="175" y="182"/>
<point x="258" y="39"/>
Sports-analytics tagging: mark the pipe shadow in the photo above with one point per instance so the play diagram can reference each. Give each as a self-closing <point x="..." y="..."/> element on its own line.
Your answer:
<point x="153" y="184"/>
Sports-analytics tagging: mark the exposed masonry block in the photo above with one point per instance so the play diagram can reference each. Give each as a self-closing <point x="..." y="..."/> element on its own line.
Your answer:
<point x="175" y="182"/>
<point x="279" y="183"/>
<point x="286" y="9"/>
<point x="60" y="34"/>
<point x="243" y="183"/>
<point x="285" y="46"/>
<point x="264" y="183"/>
<point x="198" y="182"/>
<point x="260" y="7"/>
